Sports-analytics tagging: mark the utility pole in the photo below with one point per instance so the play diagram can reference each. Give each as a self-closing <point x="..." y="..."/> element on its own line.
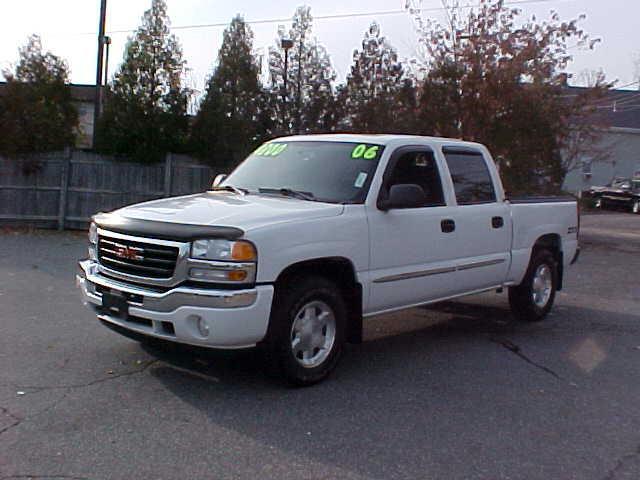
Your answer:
<point x="99" y="68"/>
<point x="299" y="93"/>
<point x="286" y="44"/>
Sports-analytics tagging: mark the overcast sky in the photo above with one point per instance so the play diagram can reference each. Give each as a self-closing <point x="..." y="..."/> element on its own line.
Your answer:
<point x="68" y="29"/>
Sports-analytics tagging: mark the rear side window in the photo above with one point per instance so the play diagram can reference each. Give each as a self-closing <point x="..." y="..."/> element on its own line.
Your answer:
<point x="471" y="179"/>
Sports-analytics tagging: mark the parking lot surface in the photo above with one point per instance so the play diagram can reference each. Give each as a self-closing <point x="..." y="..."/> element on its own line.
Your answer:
<point x="455" y="391"/>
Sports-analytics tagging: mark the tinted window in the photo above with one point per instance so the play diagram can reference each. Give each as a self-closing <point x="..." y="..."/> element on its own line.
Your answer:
<point x="418" y="168"/>
<point x="471" y="179"/>
<point x="330" y="171"/>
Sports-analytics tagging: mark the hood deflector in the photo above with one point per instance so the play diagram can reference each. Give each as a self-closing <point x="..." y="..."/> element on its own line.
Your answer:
<point x="180" y="232"/>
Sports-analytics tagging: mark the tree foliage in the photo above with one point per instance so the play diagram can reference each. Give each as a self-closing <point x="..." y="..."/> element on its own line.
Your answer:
<point x="145" y="113"/>
<point x="307" y="104"/>
<point x="232" y="118"/>
<point x="494" y="78"/>
<point x="376" y="90"/>
<point x="36" y="110"/>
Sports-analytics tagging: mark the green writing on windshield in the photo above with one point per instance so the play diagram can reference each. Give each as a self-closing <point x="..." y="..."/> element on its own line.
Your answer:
<point x="270" y="149"/>
<point x="365" y="151"/>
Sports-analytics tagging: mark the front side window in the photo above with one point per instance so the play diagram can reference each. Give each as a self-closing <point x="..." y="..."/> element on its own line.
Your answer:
<point x="418" y="168"/>
<point x="337" y="172"/>
<point x="471" y="179"/>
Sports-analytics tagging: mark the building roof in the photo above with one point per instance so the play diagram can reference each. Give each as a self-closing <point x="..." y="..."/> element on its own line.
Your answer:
<point x="619" y="108"/>
<point x="79" y="92"/>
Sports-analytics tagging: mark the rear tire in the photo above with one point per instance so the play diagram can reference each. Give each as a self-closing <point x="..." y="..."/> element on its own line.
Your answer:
<point x="306" y="330"/>
<point x="635" y="208"/>
<point x="533" y="298"/>
<point x="597" y="203"/>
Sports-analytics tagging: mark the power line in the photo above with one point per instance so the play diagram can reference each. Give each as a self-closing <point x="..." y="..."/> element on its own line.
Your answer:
<point x="337" y="16"/>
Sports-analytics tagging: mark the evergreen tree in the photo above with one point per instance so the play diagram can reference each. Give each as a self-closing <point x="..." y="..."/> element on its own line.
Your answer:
<point x="375" y="86"/>
<point x="36" y="112"/>
<point x="310" y="76"/>
<point x="146" y="104"/>
<point x="232" y="119"/>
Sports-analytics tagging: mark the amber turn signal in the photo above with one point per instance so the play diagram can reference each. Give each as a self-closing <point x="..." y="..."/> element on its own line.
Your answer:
<point x="243" y="251"/>
<point x="237" y="275"/>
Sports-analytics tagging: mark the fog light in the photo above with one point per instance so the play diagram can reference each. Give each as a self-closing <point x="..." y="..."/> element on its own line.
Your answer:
<point x="203" y="328"/>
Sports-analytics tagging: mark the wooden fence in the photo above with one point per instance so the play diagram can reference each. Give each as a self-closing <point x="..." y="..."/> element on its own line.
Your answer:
<point x="64" y="189"/>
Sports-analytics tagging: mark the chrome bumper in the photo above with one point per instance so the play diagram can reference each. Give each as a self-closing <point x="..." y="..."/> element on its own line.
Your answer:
<point x="235" y="318"/>
<point x="169" y="300"/>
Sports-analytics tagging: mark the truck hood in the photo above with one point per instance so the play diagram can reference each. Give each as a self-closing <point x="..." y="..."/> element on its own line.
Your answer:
<point x="228" y="209"/>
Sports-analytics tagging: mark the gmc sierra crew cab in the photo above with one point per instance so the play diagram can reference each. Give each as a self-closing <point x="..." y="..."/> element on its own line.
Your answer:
<point x="312" y="234"/>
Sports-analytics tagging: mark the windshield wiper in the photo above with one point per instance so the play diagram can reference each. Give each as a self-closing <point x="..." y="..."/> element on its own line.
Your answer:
<point x="289" y="192"/>
<point x="230" y="188"/>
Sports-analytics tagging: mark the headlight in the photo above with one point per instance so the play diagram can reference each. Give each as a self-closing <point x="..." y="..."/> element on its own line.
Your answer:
<point x="93" y="233"/>
<point x="224" y="250"/>
<point x="223" y="261"/>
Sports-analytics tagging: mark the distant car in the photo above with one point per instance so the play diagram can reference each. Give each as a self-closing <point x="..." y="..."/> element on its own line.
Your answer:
<point x="620" y="193"/>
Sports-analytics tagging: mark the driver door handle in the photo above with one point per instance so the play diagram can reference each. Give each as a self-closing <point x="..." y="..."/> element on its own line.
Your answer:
<point x="447" y="225"/>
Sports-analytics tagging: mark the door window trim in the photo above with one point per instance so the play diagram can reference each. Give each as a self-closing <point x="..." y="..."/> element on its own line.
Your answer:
<point x="465" y="150"/>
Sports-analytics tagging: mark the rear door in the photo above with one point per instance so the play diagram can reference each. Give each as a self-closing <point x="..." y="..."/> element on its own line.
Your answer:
<point x="413" y="252"/>
<point x="482" y="221"/>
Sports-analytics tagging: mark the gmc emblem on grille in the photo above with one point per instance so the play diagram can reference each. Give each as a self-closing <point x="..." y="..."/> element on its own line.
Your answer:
<point x="127" y="253"/>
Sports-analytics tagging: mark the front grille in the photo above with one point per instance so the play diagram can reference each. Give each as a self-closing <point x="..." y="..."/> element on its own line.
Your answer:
<point x="137" y="258"/>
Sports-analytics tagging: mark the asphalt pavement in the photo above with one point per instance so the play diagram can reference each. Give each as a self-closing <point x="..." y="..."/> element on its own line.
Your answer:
<point x="455" y="391"/>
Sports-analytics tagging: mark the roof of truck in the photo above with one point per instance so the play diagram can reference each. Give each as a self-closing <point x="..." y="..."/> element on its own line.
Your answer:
<point x="380" y="139"/>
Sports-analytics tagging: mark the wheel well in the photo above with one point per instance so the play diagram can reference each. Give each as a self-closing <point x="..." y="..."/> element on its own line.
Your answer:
<point x="553" y="243"/>
<point x="341" y="271"/>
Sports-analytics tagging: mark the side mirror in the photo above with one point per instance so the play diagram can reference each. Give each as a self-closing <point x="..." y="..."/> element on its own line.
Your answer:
<point x="219" y="179"/>
<point x="404" y="195"/>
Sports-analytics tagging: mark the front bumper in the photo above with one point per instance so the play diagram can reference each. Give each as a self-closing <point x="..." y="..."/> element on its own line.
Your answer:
<point x="235" y="318"/>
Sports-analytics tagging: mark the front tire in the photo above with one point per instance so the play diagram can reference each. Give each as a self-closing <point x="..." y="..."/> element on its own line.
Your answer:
<point x="307" y="329"/>
<point x="533" y="298"/>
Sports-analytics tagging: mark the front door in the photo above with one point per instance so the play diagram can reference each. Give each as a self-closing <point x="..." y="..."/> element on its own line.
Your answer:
<point x="412" y="249"/>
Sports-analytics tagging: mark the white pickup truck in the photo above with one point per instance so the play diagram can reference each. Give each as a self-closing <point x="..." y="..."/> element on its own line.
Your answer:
<point x="311" y="234"/>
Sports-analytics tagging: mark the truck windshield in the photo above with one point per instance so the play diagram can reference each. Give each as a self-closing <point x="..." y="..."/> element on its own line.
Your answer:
<point x="337" y="172"/>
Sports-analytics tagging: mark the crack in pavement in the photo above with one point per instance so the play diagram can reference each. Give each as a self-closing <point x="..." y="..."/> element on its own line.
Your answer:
<point x="611" y="475"/>
<point x="39" y="388"/>
<point x="70" y="477"/>
<point x="17" y="420"/>
<point x="515" y="349"/>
